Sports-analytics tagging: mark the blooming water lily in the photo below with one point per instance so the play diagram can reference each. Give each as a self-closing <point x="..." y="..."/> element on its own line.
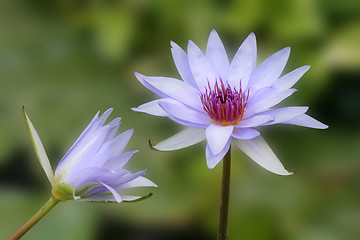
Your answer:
<point x="92" y="170"/>
<point x="223" y="102"/>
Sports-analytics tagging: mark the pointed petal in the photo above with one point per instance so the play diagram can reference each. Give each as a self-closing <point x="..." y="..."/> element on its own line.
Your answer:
<point x="182" y="112"/>
<point x="244" y="63"/>
<point x="185" y="138"/>
<point x="153" y="107"/>
<point x="261" y="153"/>
<point x="201" y="68"/>
<point x="283" y="114"/>
<point x="216" y="54"/>
<point x="289" y="80"/>
<point x="217" y="136"/>
<point x="306" y="121"/>
<point x="266" y="99"/>
<point x="100" y="198"/>
<point x="121" y="141"/>
<point x="255" y="121"/>
<point x="177" y="89"/>
<point x="113" y="192"/>
<point x="117" y="162"/>
<point x="270" y="70"/>
<point x="211" y="159"/>
<point x="39" y="149"/>
<point x="137" y="182"/>
<point x="182" y="64"/>
<point x="245" y="133"/>
<point x="141" y="79"/>
<point x="187" y="123"/>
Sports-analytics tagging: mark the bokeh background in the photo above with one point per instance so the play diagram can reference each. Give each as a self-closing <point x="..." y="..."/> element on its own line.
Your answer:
<point x="65" y="60"/>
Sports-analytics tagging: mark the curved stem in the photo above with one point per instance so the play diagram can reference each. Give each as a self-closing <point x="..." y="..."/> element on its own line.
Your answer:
<point x="224" y="198"/>
<point x="34" y="219"/>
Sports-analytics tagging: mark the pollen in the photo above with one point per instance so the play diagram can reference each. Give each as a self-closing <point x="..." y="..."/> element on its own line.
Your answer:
<point x="224" y="105"/>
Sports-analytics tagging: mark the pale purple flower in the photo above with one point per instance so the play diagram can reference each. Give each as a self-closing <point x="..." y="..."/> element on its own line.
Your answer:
<point x="223" y="102"/>
<point x="93" y="168"/>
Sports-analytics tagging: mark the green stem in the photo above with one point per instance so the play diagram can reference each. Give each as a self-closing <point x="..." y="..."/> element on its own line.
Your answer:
<point x="34" y="219"/>
<point x="224" y="199"/>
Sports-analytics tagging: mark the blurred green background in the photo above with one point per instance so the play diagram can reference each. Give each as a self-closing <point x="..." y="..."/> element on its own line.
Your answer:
<point x="65" y="60"/>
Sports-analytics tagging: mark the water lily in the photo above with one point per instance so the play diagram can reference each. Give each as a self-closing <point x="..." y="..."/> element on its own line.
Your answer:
<point x="93" y="168"/>
<point x="224" y="102"/>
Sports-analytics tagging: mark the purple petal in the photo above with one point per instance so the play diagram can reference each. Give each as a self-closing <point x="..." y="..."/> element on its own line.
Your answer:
<point x="288" y="80"/>
<point x="284" y="114"/>
<point x="201" y="68"/>
<point x="261" y="153"/>
<point x="216" y="54"/>
<point x="185" y="138"/>
<point x="306" y="121"/>
<point x="177" y="89"/>
<point x="245" y="133"/>
<point x="182" y="112"/>
<point x="270" y="70"/>
<point x="113" y="192"/>
<point x="117" y="162"/>
<point x="217" y="136"/>
<point x="187" y="123"/>
<point x="121" y="141"/>
<point x="153" y="107"/>
<point x="255" y="121"/>
<point x="243" y="63"/>
<point x="211" y="159"/>
<point x="266" y="99"/>
<point x="182" y="64"/>
<point x="141" y="79"/>
<point x="137" y="182"/>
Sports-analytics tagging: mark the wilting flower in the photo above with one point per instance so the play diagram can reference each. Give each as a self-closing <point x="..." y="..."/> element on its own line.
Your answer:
<point x="223" y="102"/>
<point x="92" y="169"/>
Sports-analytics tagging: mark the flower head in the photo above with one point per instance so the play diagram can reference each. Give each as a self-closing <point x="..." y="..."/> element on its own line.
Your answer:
<point x="93" y="168"/>
<point x="224" y="102"/>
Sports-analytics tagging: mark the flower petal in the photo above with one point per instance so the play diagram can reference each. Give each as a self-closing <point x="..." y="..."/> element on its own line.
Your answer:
<point x="216" y="53"/>
<point x="153" y="107"/>
<point x="289" y="80"/>
<point x="306" y="121"/>
<point x="183" y="112"/>
<point x="217" y="136"/>
<point x="187" y="123"/>
<point x="211" y="159"/>
<point x="245" y="133"/>
<point x="137" y="182"/>
<point x="185" y="138"/>
<point x="255" y="121"/>
<point x="141" y="79"/>
<point x="201" y="68"/>
<point x="113" y="192"/>
<point x="266" y="99"/>
<point x="39" y="149"/>
<point x="261" y="153"/>
<point x="118" y="162"/>
<point x="270" y="70"/>
<point x="244" y="63"/>
<point x="182" y="64"/>
<point x="121" y="141"/>
<point x="177" y="89"/>
<point x="283" y="114"/>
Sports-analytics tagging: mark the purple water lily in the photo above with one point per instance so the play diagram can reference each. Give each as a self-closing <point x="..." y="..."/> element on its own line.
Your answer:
<point x="93" y="168"/>
<point x="223" y="102"/>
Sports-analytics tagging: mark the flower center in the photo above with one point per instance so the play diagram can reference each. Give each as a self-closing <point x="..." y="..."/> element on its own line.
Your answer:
<point x="224" y="105"/>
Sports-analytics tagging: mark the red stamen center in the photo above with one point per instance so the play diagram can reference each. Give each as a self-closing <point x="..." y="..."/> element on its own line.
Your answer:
<point x="224" y="105"/>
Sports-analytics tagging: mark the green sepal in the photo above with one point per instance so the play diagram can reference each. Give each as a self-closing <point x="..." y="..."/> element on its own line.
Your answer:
<point x="63" y="191"/>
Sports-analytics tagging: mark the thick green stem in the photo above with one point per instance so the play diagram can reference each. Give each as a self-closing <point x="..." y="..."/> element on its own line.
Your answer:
<point x="34" y="219"/>
<point x="224" y="199"/>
